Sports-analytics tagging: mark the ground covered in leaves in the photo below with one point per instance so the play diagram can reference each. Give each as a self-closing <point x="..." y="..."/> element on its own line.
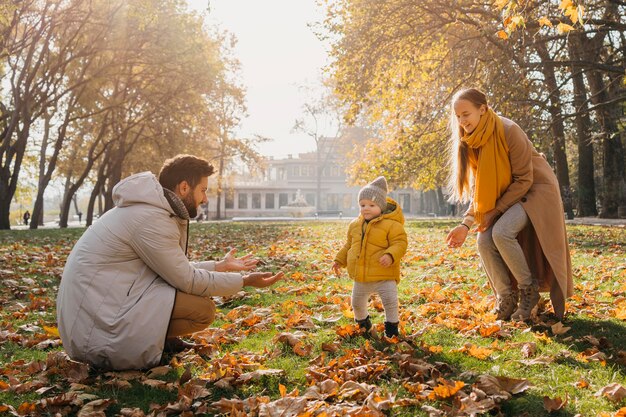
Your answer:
<point x="293" y="349"/>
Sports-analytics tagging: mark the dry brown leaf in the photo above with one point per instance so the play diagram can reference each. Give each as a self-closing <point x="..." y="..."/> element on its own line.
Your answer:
<point x="559" y="328"/>
<point x="95" y="408"/>
<point x="132" y="412"/>
<point x="555" y="404"/>
<point x="614" y="392"/>
<point x="283" y="407"/>
<point x="158" y="371"/>
<point x="255" y="375"/>
<point x="119" y="383"/>
<point x="502" y="386"/>
<point x="529" y="349"/>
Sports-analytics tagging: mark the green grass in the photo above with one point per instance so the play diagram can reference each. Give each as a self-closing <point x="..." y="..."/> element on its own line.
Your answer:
<point x="443" y="294"/>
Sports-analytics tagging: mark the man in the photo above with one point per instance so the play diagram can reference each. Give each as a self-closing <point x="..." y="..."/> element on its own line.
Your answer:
<point x="128" y="289"/>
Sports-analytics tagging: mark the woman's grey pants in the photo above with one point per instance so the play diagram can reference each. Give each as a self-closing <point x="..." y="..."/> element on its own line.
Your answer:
<point x="388" y="292"/>
<point x="500" y="251"/>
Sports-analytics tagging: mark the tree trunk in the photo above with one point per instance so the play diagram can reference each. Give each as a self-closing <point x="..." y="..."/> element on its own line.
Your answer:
<point x="586" y="181"/>
<point x="612" y="150"/>
<point x="558" y="130"/>
<point x="220" y="183"/>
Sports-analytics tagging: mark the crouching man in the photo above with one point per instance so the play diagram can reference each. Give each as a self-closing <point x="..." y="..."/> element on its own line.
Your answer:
<point x="128" y="290"/>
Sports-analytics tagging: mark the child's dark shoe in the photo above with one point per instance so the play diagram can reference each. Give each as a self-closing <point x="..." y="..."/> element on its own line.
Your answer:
<point x="391" y="329"/>
<point x="365" y="324"/>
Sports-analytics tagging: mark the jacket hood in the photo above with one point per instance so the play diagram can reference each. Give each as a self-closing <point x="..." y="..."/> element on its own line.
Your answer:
<point x="142" y="188"/>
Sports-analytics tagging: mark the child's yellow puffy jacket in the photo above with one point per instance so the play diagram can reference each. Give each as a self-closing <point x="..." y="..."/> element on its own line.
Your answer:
<point x="367" y="242"/>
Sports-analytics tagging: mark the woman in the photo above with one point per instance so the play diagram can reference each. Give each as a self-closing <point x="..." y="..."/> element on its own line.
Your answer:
<point x="516" y="205"/>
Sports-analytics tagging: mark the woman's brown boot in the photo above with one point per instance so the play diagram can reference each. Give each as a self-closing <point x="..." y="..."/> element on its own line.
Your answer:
<point x="529" y="297"/>
<point x="506" y="306"/>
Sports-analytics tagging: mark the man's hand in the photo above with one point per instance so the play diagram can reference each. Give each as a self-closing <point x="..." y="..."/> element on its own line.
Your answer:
<point x="386" y="260"/>
<point x="230" y="263"/>
<point x="457" y="236"/>
<point x="488" y="220"/>
<point x="261" y="279"/>
<point x="337" y="269"/>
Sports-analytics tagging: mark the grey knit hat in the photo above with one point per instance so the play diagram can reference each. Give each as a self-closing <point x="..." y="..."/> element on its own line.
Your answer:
<point x="375" y="191"/>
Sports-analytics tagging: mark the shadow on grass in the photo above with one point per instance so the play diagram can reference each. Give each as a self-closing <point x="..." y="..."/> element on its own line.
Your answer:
<point x="609" y="334"/>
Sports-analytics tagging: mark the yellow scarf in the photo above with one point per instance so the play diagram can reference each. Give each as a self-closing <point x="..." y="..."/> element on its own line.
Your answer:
<point x="489" y="161"/>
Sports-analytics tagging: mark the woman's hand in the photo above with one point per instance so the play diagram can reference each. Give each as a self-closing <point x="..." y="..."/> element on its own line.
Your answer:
<point x="230" y="263"/>
<point x="488" y="220"/>
<point x="457" y="236"/>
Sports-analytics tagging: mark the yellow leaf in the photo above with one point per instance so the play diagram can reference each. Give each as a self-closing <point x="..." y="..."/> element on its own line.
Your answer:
<point x="572" y="13"/>
<point x="502" y="35"/>
<point x="348" y="313"/>
<point x="479" y="352"/>
<point x="518" y="20"/>
<point x="282" y="389"/>
<point x="544" y="21"/>
<point x="564" y="28"/>
<point x="52" y="331"/>
<point x="501" y="4"/>
<point x="445" y="389"/>
<point x="565" y="4"/>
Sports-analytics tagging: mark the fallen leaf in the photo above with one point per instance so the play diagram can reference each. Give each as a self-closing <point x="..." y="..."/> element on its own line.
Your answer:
<point x="445" y="389"/>
<point x="95" y="408"/>
<point x="158" y="371"/>
<point x="555" y="404"/>
<point x="559" y="328"/>
<point x="529" y="349"/>
<point x="614" y="392"/>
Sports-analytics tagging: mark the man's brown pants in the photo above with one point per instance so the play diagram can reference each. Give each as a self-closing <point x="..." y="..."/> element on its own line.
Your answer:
<point x="191" y="314"/>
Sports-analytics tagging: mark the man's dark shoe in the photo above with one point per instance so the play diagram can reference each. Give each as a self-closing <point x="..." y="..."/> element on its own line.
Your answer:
<point x="177" y="345"/>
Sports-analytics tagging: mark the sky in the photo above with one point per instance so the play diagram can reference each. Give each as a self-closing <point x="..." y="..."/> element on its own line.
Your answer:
<point x="279" y="54"/>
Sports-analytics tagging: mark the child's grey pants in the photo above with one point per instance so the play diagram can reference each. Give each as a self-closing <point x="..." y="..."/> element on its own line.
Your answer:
<point x="388" y="292"/>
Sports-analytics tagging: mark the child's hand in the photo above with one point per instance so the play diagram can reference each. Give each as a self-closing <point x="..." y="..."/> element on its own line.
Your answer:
<point x="337" y="269"/>
<point x="386" y="260"/>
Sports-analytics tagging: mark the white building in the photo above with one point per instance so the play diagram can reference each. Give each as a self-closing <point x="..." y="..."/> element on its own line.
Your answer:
<point x="245" y="195"/>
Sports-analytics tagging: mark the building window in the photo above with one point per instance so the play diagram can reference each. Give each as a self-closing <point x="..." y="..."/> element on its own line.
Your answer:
<point x="405" y="202"/>
<point x="312" y="171"/>
<point x="310" y="199"/>
<point x="347" y="202"/>
<point x="229" y="199"/>
<point x="296" y="171"/>
<point x="243" y="201"/>
<point x="256" y="200"/>
<point x="334" y="171"/>
<point x="280" y="174"/>
<point x="333" y="201"/>
<point x="283" y="199"/>
<point x="269" y="200"/>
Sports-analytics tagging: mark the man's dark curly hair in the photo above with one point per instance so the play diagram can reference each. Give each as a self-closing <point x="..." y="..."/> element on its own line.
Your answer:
<point x="184" y="168"/>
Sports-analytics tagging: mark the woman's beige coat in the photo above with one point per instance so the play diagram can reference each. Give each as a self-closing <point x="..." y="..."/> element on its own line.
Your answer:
<point x="120" y="280"/>
<point x="544" y="241"/>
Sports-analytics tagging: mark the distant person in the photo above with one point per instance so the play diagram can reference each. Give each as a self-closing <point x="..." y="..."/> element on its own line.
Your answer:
<point x="128" y="291"/>
<point x="375" y="246"/>
<point x="80" y="216"/>
<point x="516" y="205"/>
<point x="26" y="217"/>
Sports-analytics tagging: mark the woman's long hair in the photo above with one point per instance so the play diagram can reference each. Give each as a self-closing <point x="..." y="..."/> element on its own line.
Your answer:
<point x="459" y="178"/>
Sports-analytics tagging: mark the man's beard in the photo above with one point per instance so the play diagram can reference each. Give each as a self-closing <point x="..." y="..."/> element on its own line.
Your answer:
<point x="190" y="205"/>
